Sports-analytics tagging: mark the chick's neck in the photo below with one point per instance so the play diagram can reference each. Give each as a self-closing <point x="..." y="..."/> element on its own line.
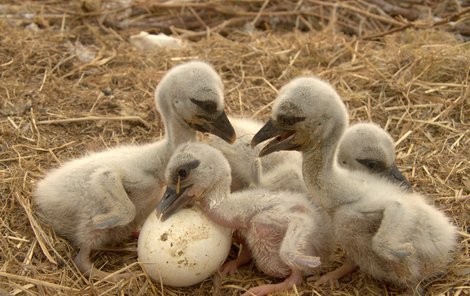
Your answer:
<point x="320" y="170"/>
<point x="222" y="208"/>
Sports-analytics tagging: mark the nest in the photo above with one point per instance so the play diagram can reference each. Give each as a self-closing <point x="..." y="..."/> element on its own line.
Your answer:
<point x="403" y="66"/>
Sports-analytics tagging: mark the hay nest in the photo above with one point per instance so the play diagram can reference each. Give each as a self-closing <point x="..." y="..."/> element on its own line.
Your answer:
<point x="71" y="83"/>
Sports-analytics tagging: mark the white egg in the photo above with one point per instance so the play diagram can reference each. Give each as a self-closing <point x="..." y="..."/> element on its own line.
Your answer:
<point x="183" y="250"/>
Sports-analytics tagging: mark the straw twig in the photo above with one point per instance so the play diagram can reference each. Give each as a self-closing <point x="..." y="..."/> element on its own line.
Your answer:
<point x="96" y="118"/>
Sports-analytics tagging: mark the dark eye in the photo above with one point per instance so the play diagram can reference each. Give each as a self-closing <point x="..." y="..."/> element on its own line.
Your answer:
<point x="183" y="173"/>
<point x="207" y="106"/>
<point x="372" y="164"/>
<point x="184" y="170"/>
<point x="289" y="120"/>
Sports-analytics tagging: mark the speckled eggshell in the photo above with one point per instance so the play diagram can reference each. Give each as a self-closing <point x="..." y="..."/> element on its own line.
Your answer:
<point x="183" y="250"/>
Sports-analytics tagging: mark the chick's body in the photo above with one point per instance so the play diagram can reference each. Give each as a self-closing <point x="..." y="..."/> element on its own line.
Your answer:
<point x="282" y="218"/>
<point x="401" y="239"/>
<point x="84" y="202"/>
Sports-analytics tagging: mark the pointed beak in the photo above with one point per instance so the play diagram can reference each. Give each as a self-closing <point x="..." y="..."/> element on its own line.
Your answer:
<point x="282" y="139"/>
<point x="220" y="127"/>
<point x="397" y="177"/>
<point x="172" y="201"/>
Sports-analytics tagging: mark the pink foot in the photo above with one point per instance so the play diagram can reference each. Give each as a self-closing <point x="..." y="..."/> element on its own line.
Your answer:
<point x="232" y="266"/>
<point x="260" y="290"/>
<point x="328" y="278"/>
<point x="229" y="268"/>
<point x="332" y="277"/>
<point x="294" y="279"/>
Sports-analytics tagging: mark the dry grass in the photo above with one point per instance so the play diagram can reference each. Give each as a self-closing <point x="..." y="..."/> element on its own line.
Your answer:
<point x="414" y="82"/>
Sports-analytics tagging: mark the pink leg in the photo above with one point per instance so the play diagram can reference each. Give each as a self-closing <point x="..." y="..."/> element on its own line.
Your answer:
<point x="232" y="266"/>
<point x="82" y="260"/>
<point x="294" y="279"/>
<point x="333" y="276"/>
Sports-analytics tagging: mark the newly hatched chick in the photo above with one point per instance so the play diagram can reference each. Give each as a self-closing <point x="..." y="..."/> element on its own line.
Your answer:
<point x="286" y="234"/>
<point x="241" y="157"/>
<point x="367" y="147"/>
<point x="389" y="233"/>
<point x="101" y="198"/>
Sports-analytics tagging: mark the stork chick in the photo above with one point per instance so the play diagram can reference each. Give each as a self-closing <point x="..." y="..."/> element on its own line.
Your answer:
<point x="101" y="198"/>
<point x="285" y="233"/>
<point x="367" y="147"/>
<point x="388" y="233"/>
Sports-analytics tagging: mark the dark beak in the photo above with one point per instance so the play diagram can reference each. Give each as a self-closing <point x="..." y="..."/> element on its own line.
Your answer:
<point x="283" y="139"/>
<point x="172" y="201"/>
<point x="397" y="177"/>
<point x="220" y="127"/>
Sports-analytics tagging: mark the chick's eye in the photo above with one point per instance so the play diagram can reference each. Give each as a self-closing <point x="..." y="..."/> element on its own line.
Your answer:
<point x="183" y="173"/>
<point x="290" y="120"/>
<point x="285" y="120"/>
<point x="372" y="164"/>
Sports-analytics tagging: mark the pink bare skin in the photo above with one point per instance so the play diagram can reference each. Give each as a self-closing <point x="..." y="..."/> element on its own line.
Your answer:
<point x="232" y="266"/>
<point x="332" y="277"/>
<point x="262" y="235"/>
<point x="295" y="278"/>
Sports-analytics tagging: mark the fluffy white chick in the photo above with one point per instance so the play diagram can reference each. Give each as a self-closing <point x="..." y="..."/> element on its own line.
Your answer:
<point x="102" y="197"/>
<point x="367" y="147"/>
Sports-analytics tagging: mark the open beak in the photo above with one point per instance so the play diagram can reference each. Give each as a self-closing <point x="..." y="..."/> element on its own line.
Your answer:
<point x="397" y="177"/>
<point x="282" y="139"/>
<point x="220" y="127"/>
<point x="172" y="201"/>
